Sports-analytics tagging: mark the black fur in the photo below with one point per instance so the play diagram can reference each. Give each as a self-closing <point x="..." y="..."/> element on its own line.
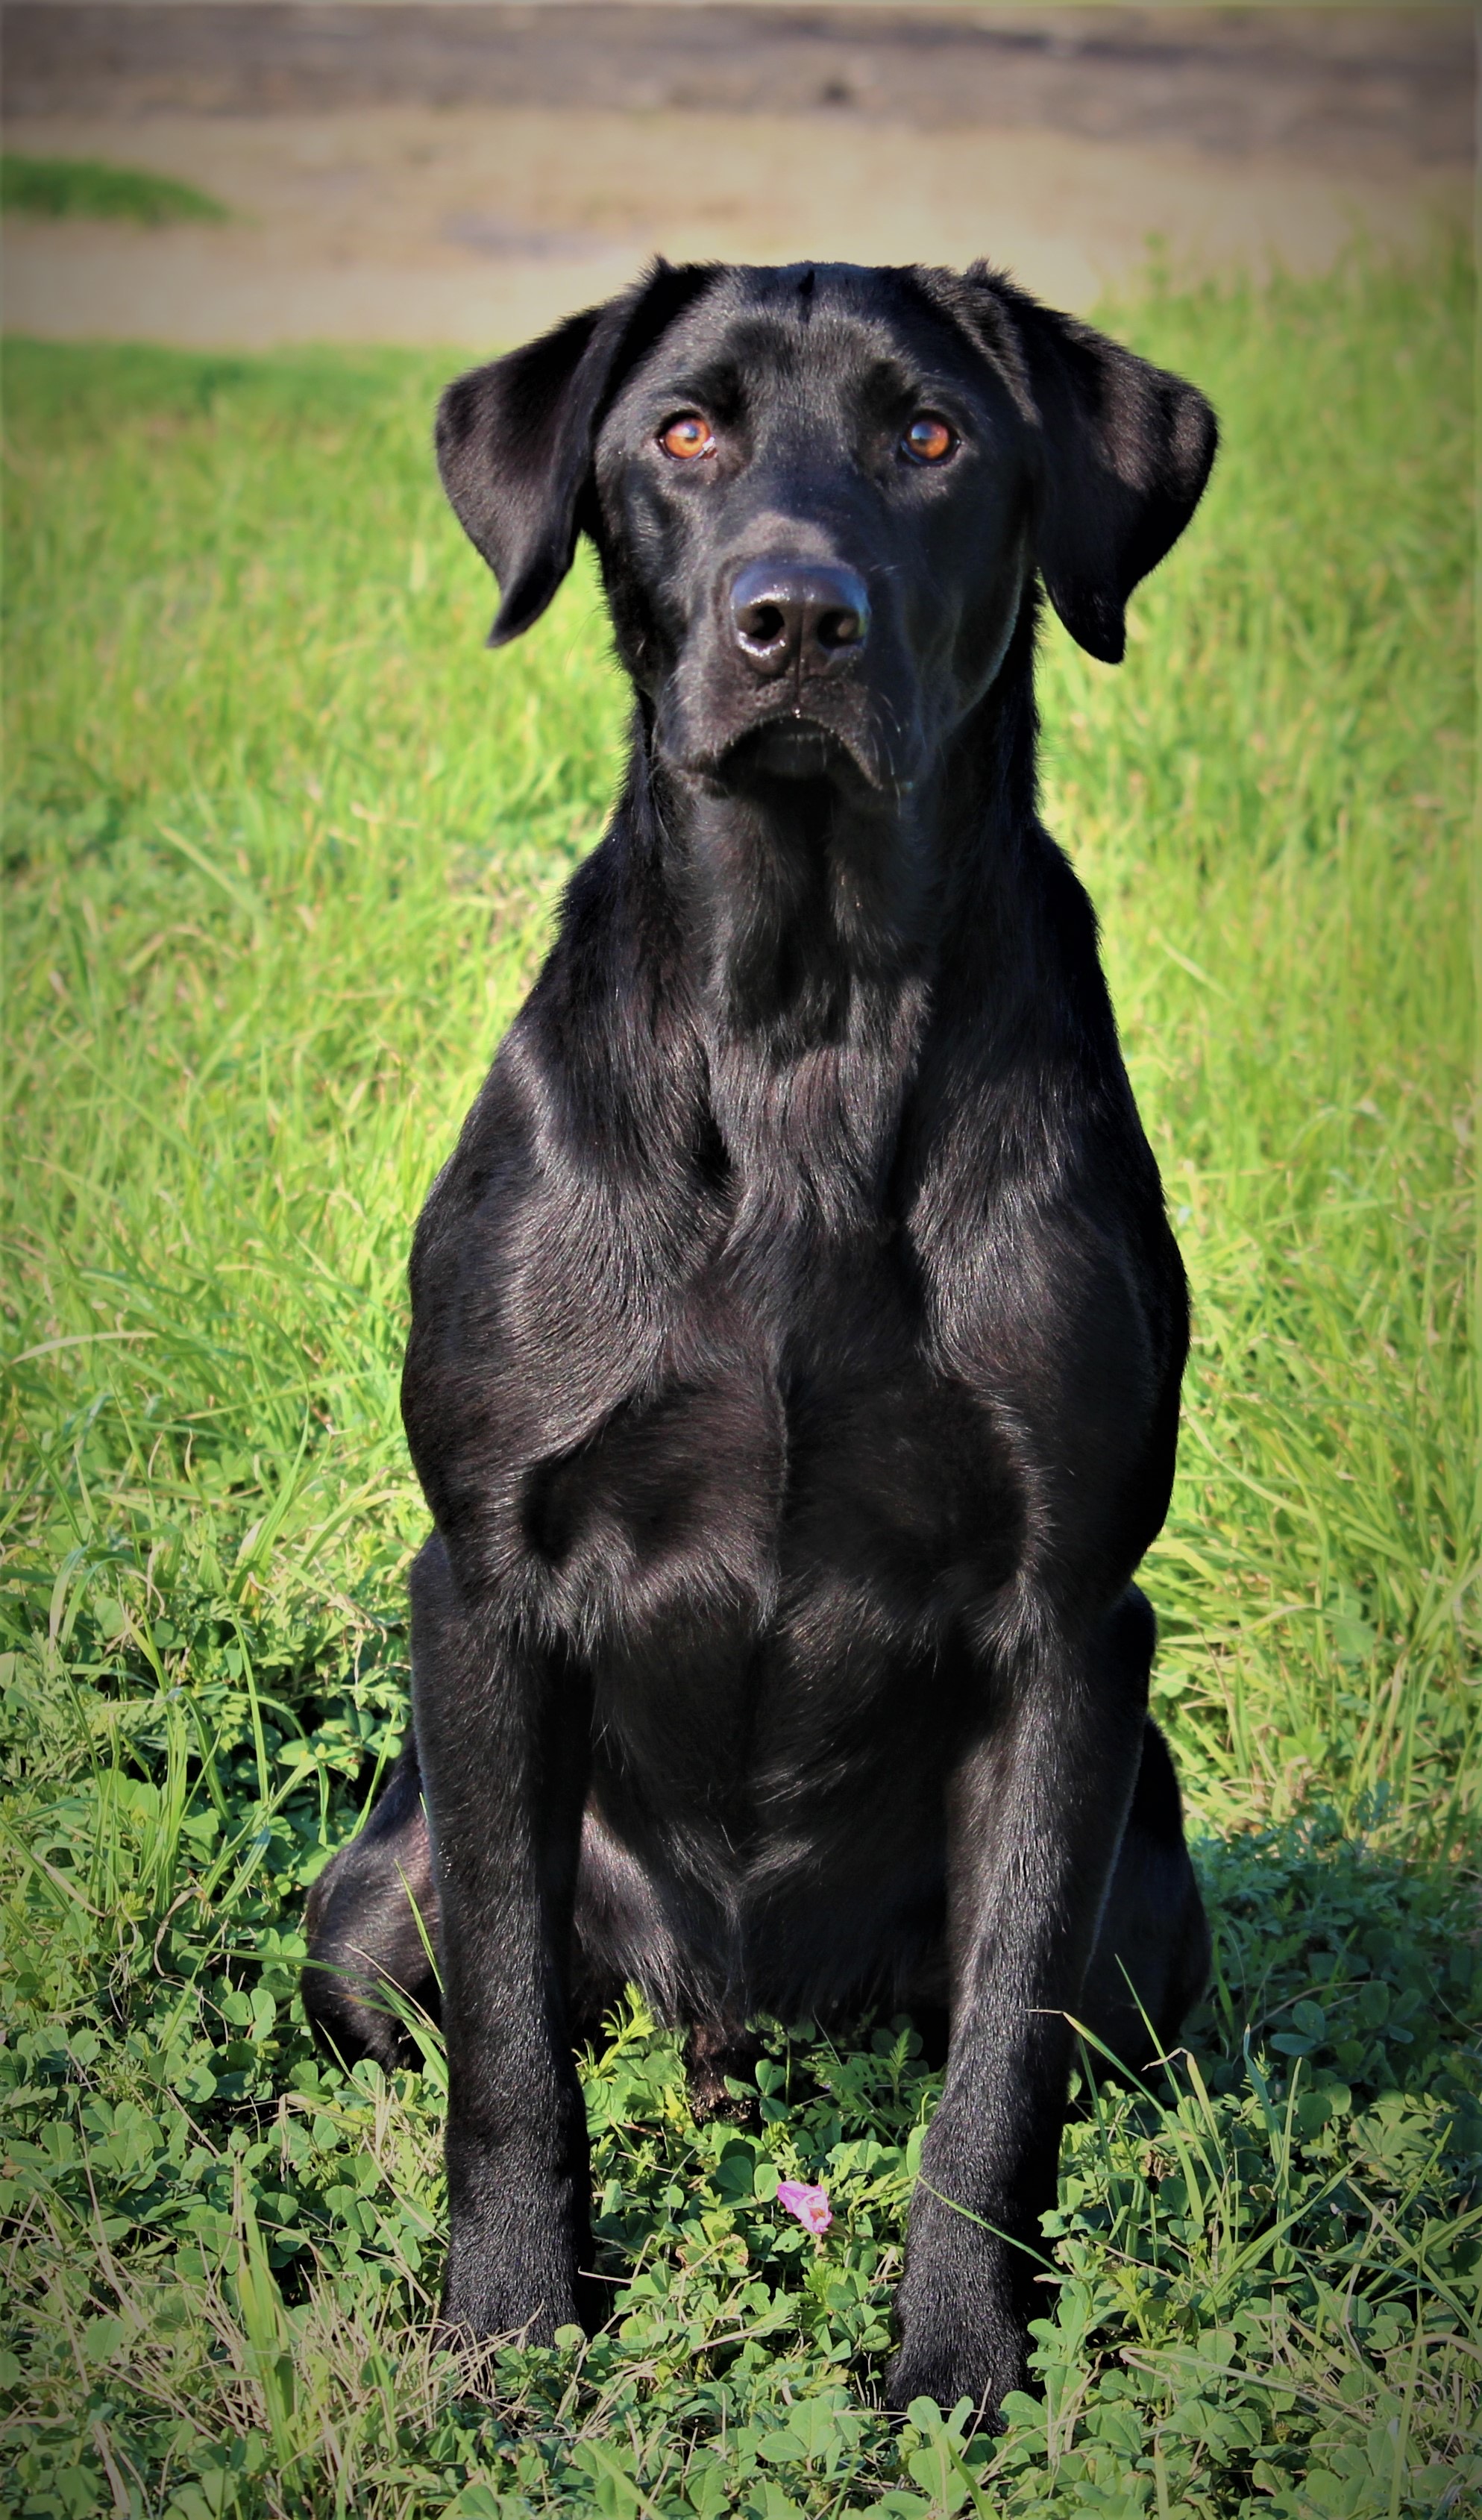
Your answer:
<point x="797" y="1329"/>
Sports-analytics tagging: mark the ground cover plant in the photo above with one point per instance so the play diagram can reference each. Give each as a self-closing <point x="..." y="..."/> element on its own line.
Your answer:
<point x="87" y="188"/>
<point x="282" y="848"/>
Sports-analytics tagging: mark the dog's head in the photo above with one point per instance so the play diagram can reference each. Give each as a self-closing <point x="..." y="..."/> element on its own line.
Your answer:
<point x="819" y="494"/>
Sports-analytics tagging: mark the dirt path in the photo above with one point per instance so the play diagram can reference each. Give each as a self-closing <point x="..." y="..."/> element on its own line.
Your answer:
<point x="1056" y="141"/>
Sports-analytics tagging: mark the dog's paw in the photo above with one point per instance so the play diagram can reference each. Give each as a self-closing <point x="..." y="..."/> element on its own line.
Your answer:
<point x="728" y="2110"/>
<point x="961" y="2333"/>
<point x="714" y="2058"/>
<point x="947" y="2369"/>
<point x="507" y="2296"/>
<point x="473" y="2323"/>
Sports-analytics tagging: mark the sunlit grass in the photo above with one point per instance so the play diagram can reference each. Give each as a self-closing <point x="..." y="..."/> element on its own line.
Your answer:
<point x="283" y="844"/>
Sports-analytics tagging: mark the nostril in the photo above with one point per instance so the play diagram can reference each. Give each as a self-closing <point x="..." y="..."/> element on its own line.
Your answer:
<point x="841" y="629"/>
<point x="761" y="625"/>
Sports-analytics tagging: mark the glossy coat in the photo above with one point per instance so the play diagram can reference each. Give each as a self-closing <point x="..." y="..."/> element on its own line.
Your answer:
<point x="796" y="1327"/>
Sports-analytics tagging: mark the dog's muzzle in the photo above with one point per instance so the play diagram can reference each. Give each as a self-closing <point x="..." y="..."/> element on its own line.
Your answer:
<point x="780" y="681"/>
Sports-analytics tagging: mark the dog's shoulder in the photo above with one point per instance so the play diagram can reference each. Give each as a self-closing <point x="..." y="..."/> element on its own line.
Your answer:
<point x="589" y="1128"/>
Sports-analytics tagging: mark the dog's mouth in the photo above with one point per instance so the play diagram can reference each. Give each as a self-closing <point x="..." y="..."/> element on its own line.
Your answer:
<point x="793" y="749"/>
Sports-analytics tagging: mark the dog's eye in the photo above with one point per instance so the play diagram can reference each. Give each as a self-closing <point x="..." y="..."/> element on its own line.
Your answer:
<point x="686" y="437"/>
<point x="927" y="440"/>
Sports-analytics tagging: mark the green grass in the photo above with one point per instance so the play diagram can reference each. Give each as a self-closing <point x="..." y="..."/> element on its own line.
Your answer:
<point x="84" y="187"/>
<point x="283" y="847"/>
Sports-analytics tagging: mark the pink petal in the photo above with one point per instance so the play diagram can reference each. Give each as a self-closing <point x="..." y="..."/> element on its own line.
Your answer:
<point x="808" y="2205"/>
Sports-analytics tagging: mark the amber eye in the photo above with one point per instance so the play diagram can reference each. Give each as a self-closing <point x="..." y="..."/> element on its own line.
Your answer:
<point x="686" y="437"/>
<point x="929" y="439"/>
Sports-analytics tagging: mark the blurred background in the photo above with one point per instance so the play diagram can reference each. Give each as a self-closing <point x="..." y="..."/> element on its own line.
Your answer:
<point x="451" y="171"/>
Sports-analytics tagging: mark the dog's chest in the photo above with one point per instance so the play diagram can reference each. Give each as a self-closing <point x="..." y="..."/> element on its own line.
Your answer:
<point x="778" y="1542"/>
<point x="763" y="1482"/>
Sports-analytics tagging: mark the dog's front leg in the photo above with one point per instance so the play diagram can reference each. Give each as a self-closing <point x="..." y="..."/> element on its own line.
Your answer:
<point x="503" y="1742"/>
<point x="1037" y="1811"/>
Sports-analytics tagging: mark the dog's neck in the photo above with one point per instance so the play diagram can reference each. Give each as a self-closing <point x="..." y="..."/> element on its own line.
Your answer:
<point x="794" y="899"/>
<point x="813" y="925"/>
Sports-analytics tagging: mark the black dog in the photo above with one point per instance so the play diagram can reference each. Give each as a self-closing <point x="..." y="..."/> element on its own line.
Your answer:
<point x="796" y="1330"/>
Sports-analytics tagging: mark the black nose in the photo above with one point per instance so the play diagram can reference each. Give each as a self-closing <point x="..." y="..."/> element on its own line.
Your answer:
<point x="784" y="614"/>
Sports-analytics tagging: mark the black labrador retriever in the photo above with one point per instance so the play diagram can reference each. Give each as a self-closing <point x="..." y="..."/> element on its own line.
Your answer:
<point x="796" y="1333"/>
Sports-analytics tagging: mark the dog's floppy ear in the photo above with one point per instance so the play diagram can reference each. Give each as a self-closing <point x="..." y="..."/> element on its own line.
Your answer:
<point x="1125" y="448"/>
<point x="514" y="438"/>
